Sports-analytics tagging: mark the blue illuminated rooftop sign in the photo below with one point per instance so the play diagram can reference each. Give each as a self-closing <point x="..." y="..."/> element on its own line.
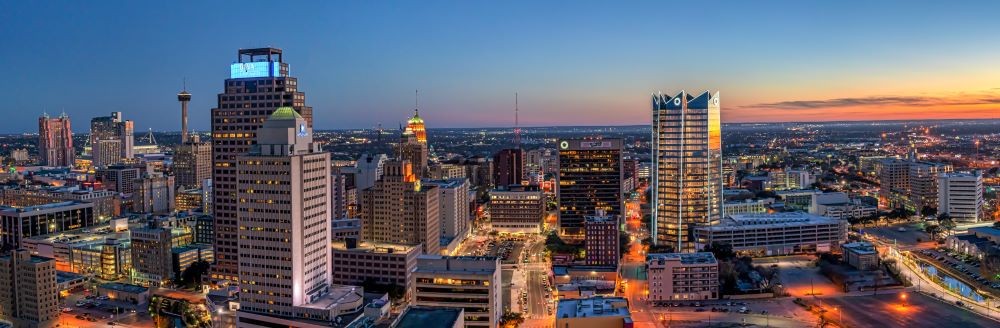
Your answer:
<point x="254" y="69"/>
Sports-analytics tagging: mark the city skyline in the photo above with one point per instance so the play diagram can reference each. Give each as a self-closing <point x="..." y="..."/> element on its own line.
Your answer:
<point x="589" y="64"/>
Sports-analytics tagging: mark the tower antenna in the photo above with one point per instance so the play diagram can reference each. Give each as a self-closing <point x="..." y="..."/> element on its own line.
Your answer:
<point x="517" y="128"/>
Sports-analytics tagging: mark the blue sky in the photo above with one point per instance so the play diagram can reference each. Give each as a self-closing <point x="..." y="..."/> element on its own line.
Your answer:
<point x="572" y="62"/>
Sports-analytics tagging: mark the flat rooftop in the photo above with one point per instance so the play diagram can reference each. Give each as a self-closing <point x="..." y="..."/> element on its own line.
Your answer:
<point x="985" y="231"/>
<point x="378" y="248"/>
<point x="684" y="258"/>
<point x="339" y="294"/>
<point x="429" y="317"/>
<point x="52" y="206"/>
<point x="128" y="288"/>
<point x="860" y="247"/>
<point x="769" y="220"/>
<point x="593" y="307"/>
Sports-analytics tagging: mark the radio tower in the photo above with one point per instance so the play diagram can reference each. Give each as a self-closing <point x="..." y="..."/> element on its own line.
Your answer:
<point x="517" y="129"/>
<point x="184" y="97"/>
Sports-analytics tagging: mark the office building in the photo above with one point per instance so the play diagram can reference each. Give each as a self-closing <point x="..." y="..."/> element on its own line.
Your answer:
<point x="682" y="276"/>
<point x="120" y="178"/>
<point x="367" y="170"/>
<point x="259" y="83"/>
<point x="398" y="209"/>
<point x="747" y="206"/>
<point x="923" y="181"/>
<point x="355" y="263"/>
<point x="839" y="205"/>
<point x="55" y="141"/>
<point x="517" y="210"/>
<point x="284" y="225"/>
<point x="154" y="194"/>
<point x="413" y="145"/>
<point x="602" y="241"/>
<point x="28" y="293"/>
<point x="343" y="228"/>
<point x="453" y="207"/>
<point x="861" y="255"/>
<point x="181" y="258"/>
<point x="960" y="195"/>
<point x="151" y="255"/>
<point x="192" y="163"/>
<point x="468" y="282"/>
<point x="760" y="234"/>
<point x="111" y="139"/>
<point x="593" y="312"/>
<point x="687" y="166"/>
<point x="508" y="167"/>
<point x="22" y="222"/>
<point x="188" y="200"/>
<point x="96" y="251"/>
<point x="589" y="180"/>
<point x="430" y="317"/>
<point x="106" y="203"/>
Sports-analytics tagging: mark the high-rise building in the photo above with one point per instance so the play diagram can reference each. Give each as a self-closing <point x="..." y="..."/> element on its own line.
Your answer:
<point x="517" y="210"/>
<point x="284" y="225"/>
<point x="413" y="145"/>
<point x="687" y="166"/>
<point x="468" y="282"/>
<point x="55" y="141"/>
<point x="259" y="83"/>
<point x="960" y="195"/>
<point x="22" y="222"/>
<point x="508" y="167"/>
<point x="111" y="139"/>
<point x="151" y="256"/>
<point x="192" y="158"/>
<point x="453" y="207"/>
<point x="589" y="180"/>
<point x="120" y="178"/>
<point x="398" y="209"/>
<point x="154" y="194"/>
<point x="28" y="292"/>
<point x="602" y="241"/>
<point x="894" y="182"/>
<point x="924" y="184"/>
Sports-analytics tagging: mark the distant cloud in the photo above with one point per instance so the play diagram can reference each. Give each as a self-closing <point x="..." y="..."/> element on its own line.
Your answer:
<point x="912" y="101"/>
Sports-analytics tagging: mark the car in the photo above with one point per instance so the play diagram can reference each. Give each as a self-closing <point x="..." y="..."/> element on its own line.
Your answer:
<point x="91" y="319"/>
<point x="67" y="310"/>
<point x="959" y="303"/>
<point x="112" y="323"/>
<point x="901" y="229"/>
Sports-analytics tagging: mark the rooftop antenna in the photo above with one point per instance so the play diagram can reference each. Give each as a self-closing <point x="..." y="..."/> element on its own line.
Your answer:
<point x="517" y="128"/>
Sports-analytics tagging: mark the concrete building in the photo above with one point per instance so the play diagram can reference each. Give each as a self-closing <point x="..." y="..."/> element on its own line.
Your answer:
<point x="258" y="84"/>
<point x="181" y="258"/>
<point x="894" y="182"/>
<point x="97" y="251"/>
<point x="687" y="166"/>
<point x="413" y="145"/>
<point x="120" y="178"/>
<point x="601" y="241"/>
<point x="193" y="163"/>
<point x="111" y="139"/>
<point x="398" y="209"/>
<point x="355" y="262"/>
<point x="151" y="255"/>
<point x="28" y="292"/>
<point x="589" y="180"/>
<point x="775" y="234"/>
<point x="923" y="182"/>
<point x="978" y="242"/>
<point x="430" y="317"/>
<point x="367" y="170"/>
<point x="789" y="178"/>
<point x="517" y="210"/>
<point x="106" y="203"/>
<point x="508" y="167"/>
<point x="284" y="228"/>
<point x="453" y="208"/>
<point x="960" y="195"/>
<point x="861" y="255"/>
<point x="22" y="222"/>
<point x="344" y="228"/>
<point x="682" y="276"/>
<point x="468" y="282"/>
<point x="55" y="141"/>
<point x="594" y="312"/>
<point x="839" y="205"/>
<point x="154" y="194"/>
<point x="189" y="200"/>
<point x="747" y="206"/>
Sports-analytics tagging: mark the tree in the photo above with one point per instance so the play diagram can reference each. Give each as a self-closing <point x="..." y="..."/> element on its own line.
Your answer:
<point x="946" y="223"/>
<point x="191" y="277"/>
<point x="932" y="230"/>
<point x="623" y="241"/>
<point x="722" y="251"/>
<point x="996" y="224"/>
<point x="928" y="211"/>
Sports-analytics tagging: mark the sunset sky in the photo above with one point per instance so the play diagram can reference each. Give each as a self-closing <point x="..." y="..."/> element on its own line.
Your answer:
<point x="572" y="62"/>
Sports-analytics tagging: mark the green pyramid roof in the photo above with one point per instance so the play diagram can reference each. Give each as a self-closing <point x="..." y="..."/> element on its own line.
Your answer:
<point x="284" y="113"/>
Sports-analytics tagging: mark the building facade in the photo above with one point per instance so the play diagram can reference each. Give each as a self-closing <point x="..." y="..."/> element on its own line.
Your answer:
<point x="687" y="166"/>
<point x="398" y="209"/>
<point x="682" y="276"/>
<point x="601" y="241"/>
<point x="22" y="222"/>
<point x="508" y="167"/>
<point x="355" y="263"/>
<point x="28" y="293"/>
<point x="55" y="141"/>
<point x="468" y="282"/>
<point x="589" y="180"/>
<point x="517" y="210"/>
<point x="259" y="83"/>
<point x="783" y="233"/>
<point x="594" y="312"/>
<point x="111" y="139"/>
<point x="960" y="195"/>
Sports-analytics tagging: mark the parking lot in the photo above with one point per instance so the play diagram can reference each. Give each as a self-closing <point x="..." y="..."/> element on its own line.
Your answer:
<point x="968" y="267"/>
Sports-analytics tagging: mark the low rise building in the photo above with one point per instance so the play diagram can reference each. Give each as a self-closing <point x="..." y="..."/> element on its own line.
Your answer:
<point x="861" y="255"/>
<point x="682" y="276"/>
<point x="21" y="222"/>
<point x="747" y="206"/>
<point x="128" y="293"/>
<point x="344" y="228"/>
<point x="98" y="251"/>
<point x="775" y="233"/>
<point x="430" y="317"/>
<point x="594" y="312"/>
<point x="354" y="263"/>
<point x="978" y="242"/>
<point x="471" y="283"/>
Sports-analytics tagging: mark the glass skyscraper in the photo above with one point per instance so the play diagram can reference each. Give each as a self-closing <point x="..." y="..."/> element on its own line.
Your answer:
<point x="687" y="167"/>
